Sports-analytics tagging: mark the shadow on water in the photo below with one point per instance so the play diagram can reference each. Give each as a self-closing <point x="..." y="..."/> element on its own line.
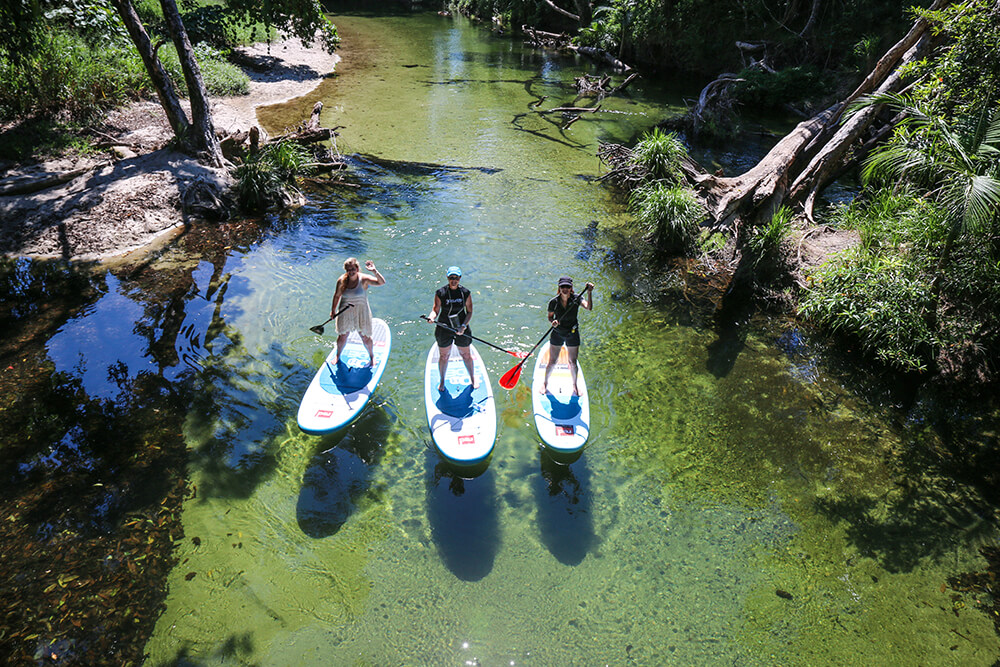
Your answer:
<point x="237" y="648"/>
<point x="565" y="519"/>
<point x="464" y="520"/>
<point x="947" y="485"/>
<point x="340" y="474"/>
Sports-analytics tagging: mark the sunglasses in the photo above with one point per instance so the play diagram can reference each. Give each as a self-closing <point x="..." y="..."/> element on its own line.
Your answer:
<point x="452" y="277"/>
<point x="566" y="287"/>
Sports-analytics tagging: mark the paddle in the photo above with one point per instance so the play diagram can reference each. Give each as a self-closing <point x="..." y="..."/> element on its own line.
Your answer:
<point x="519" y="355"/>
<point x="318" y="329"/>
<point x="510" y="378"/>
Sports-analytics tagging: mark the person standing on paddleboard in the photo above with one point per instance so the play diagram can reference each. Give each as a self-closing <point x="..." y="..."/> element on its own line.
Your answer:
<point x="453" y="308"/>
<point x="563" y="309"/>
<point x="352" y="289"/>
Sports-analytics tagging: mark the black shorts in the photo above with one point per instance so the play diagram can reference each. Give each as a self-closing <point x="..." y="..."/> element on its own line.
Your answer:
<point x="572" y="339"/>
<point x="445" y="338"/>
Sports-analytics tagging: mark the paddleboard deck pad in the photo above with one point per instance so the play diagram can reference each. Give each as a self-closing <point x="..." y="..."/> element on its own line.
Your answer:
<point x="339" y="391"/>
<point x="561" y="419"/>
<point x="463" y="420"/>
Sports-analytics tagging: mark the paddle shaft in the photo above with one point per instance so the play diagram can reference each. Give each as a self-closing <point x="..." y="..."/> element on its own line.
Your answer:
<point x="484" y="342"/>
<point x="511" y="377"/>
<point x="332" y="318"/>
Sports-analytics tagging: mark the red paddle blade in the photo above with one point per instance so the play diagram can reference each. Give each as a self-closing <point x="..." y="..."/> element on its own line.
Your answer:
<point x="510" y="378"/>
<point x="518" y="355"/>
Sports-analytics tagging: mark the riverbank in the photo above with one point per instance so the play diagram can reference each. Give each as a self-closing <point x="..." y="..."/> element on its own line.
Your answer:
<point x="130" y="193"/>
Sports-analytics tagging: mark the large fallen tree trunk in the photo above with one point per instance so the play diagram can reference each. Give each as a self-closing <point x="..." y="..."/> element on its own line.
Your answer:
<point x="802" y="163"/>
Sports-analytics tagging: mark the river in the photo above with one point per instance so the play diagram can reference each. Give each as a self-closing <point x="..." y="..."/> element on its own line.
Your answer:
<point x="744" y="499"/>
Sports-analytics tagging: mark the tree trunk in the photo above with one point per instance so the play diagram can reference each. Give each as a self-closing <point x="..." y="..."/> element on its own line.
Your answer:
<point x="203" y="133"/>
<point x="562" y="11"/>
<point x="161" y="81"/>
<point x="779" y="178"/>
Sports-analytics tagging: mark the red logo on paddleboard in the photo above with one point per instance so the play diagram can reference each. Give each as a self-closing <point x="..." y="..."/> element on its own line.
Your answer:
<point x="565" y="430"/>
<point x="324" y="414"/>
<point x="466" y="439"/>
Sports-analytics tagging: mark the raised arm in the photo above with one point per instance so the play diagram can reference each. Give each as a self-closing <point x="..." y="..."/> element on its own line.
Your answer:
<point x="587" y="297"/>
<point x="377" y="279"/>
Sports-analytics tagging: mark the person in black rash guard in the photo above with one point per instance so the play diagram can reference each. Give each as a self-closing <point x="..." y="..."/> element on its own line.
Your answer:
<point x="453" y="308"/>
<point x="563" y="309"/>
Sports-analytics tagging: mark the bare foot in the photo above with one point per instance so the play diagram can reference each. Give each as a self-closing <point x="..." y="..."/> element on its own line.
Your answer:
<point x="576" y="392"/>
<point x="544" y="389"/>
<point x="441" y="387"/>
<point x="475" y="383"/>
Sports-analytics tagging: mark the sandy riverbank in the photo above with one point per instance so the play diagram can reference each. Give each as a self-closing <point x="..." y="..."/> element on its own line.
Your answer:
<point x="130" y="196"/>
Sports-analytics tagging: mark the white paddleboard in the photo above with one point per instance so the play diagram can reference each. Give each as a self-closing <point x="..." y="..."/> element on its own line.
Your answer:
<point x="339" y="392"/>
<point x="463" y="420"/>
<point x="561" y="419"/>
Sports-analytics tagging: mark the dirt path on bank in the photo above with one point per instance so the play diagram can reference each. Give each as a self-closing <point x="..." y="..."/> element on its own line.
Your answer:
<point x="131" y="194"/>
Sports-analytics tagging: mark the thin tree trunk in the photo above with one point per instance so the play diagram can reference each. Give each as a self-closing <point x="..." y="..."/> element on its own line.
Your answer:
<point x="201" y="114"/>
<point x="161" y="81"/>
<point x="562" y="11"/>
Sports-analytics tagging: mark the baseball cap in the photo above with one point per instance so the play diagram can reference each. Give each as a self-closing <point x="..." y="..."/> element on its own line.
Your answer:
<point x="565" y="280"/>
<point x="453" y="271"/>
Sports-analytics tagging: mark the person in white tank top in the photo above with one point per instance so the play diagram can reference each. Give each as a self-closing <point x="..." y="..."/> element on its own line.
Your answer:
<point x="352" y="288"/>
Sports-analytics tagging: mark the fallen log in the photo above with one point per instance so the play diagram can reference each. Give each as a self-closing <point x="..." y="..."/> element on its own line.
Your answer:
<point x="24" y="186"/>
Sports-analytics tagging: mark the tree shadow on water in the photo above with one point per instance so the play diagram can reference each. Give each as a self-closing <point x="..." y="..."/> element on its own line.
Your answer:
<point x="463" y="517"/>
<point x="565" y="517"/>
<point x="946" y="488"/>
<point x="339" y="475"/>
<point x="237" y="648"/>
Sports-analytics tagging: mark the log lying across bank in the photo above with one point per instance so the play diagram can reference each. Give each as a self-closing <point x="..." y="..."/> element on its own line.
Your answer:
<point x="807" y="159"/>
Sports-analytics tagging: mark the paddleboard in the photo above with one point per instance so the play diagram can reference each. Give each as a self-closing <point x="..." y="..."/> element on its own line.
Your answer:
<point x="339" y="392"/>
<point x="561" y="419"/>
<point x="463" y="420"/>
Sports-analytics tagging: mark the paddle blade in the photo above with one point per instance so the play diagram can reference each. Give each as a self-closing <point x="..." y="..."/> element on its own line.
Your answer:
<point x="318" y="329"/>
<point x="510" y="378"/>
<point x="517" y="355"/>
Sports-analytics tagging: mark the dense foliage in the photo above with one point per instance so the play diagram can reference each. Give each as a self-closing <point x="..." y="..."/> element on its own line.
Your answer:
<point x="73" y="58"/>
<point x="922" y="291"/>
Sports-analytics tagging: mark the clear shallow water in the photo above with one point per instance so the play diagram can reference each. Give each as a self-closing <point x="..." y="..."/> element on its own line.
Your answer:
<point x="736" y="504"/>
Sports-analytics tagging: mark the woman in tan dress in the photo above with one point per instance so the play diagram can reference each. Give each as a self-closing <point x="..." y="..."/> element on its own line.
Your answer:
<point x="352" y="288"/>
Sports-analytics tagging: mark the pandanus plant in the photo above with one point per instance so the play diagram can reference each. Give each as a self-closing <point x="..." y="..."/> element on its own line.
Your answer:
<point x="960" y="171"/>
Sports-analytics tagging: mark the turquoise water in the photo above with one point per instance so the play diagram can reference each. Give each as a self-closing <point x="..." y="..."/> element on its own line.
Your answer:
<point x="738" y="502"/>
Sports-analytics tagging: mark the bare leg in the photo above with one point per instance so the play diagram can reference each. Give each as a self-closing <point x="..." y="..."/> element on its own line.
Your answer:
<point x="341" y="342"/>
<point x="470" y="366"/>
<point x="367" y="340"/>
<point x="443" y="354"/>
<point x="553" y="357"/>
<point x="572" y="351"/>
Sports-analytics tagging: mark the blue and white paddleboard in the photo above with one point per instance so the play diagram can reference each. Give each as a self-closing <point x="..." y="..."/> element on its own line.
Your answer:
<point x="561" y="419"/>
<point x="339" y="392"/>
<point x="463" y="420"/>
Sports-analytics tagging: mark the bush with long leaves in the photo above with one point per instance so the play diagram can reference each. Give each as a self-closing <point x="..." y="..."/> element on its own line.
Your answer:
<point x="265" y="178"/>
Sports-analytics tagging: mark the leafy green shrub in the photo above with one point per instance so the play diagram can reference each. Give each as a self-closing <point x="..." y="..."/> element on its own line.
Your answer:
<point x="660" y="154"/>
<point x="68" y="75"/>
<point x="668" y="216"/>
<point x="879" y="299"/>
<point x="221" y="77"/>
<point x="764" y="242"/>
<point x="263" y="180"/>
